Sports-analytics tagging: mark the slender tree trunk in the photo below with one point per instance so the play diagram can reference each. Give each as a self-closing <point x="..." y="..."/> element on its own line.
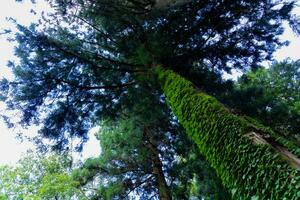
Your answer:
<point x="157" y="170"/>
<point x="163" y="188"/>
<point x="252" y="161"/>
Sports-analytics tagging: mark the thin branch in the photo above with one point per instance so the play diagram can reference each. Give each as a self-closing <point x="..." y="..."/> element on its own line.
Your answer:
<point x="97" y="29"/>
<point x="83" y="87"/>
<point x="137" y="184"/>
<point x="101" y="57"/>
<point x="112" y="60"/>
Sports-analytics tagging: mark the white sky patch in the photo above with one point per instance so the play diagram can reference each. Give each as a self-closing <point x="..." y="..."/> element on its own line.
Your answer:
<point x="293" y="49"/>
<point x="11" y="149"/>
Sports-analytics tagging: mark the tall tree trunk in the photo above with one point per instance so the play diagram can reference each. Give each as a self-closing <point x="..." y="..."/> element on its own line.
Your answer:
<point x="252" y="161"/>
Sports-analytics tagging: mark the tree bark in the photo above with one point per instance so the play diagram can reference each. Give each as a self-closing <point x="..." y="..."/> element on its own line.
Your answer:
<point x="157" y="169"/>
<point x="163" y="189"/>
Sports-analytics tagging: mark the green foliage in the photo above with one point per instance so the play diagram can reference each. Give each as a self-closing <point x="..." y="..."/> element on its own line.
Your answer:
<point x="248" y="170"/>
<point x="125" y="165"/>
<point x="272" y="96"/>
<point x="38" y="177"/>
<point x="58" y="185"/>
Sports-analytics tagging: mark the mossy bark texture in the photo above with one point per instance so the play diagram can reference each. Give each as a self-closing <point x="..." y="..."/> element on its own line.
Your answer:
<point x="249" y="169"/>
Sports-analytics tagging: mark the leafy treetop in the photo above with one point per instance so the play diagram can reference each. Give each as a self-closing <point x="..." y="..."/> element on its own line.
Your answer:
<point x="88" y="59"/>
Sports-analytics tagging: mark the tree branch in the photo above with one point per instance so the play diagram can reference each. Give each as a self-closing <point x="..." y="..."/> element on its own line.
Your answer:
<point x="83" y="87"/>
<point x="97" y="29"/>
<point x="101" y="57"/>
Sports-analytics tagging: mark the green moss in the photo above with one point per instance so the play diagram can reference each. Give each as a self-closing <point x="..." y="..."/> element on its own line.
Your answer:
<point x="248" y="170"/>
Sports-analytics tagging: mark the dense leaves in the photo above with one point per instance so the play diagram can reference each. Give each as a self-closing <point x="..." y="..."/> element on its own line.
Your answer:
<point x="272" y="96"/>
<point x="39" y="177"/>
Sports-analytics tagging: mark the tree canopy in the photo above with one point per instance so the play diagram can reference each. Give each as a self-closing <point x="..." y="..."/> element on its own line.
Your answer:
<point x="85" y="59"/>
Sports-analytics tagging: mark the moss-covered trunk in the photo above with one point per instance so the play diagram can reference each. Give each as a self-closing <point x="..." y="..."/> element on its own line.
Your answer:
<point x="252" y="161"/>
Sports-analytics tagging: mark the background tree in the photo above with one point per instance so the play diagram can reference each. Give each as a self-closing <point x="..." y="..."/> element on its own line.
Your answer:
<point x="39" y="177"/>
<point x="272" y="96"/>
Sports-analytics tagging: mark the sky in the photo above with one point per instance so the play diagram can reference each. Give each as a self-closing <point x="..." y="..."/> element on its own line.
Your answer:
<point x="11" y="148"/>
